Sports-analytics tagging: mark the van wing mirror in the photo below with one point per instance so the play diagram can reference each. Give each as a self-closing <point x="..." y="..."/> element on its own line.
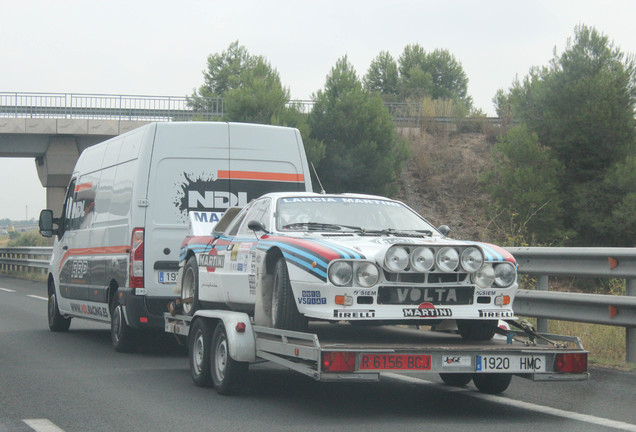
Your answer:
<point x="46" y="223"/>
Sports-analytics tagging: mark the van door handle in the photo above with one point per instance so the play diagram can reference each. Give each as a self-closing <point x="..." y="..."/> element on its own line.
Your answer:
<point x="64" y="247"/>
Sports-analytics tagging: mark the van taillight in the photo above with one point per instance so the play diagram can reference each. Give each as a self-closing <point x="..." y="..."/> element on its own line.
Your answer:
<point x="137" y="259"/>
<point x="571" y="362"/>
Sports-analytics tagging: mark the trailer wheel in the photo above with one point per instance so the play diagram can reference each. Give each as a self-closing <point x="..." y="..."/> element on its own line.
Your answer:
<point x="199" y="350"/>
<point x="121" y="335"/>
<point x="456" y="379"/>
<point x="285" y="314"/>
<point x="57" y="322"/>
<point x="475" y="330"/>
<point x="190" y="287"/>
<point x="228" y="374"/>
<point x="492" y="383"/>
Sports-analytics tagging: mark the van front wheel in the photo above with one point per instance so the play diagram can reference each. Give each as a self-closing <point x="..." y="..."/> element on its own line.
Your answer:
<point x="57" y="322"/>
<point x="122" y="336"/>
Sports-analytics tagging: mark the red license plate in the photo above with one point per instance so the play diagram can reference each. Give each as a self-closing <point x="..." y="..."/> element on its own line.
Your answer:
<point x="395" y="362"/>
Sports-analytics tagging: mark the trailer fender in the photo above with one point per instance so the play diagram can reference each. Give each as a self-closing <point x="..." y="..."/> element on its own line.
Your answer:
<point x="242" y="345"/>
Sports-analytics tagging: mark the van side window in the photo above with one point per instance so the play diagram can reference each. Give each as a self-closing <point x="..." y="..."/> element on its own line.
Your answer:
<point x="67" y="210"/>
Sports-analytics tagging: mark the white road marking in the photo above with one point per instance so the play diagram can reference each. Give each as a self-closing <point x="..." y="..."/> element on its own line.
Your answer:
<point x="42" y="425"/>
<point x="7" y="290"/>
<point x="38" y="297"/>
<point x="520" y="404"/>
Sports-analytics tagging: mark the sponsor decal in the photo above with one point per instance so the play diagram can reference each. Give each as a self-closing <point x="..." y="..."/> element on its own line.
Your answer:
<point x="496" y="314"/>
<point x="211" y="260"/>
<point x="79" y="269"/>
<point x="312" y="298"/>
<point x="97" y="311"/>
<point x="453" y="361"/>
<point x="207" y="217"/>
<point x="439" y="295"/>
<point x="365" y="292"/>
<point x="427" y="310"/>
<point x="485" y="293"/>
<point x="360" y="313"/>
<point x="394" y="240"/>
<point x="405" y="295"/>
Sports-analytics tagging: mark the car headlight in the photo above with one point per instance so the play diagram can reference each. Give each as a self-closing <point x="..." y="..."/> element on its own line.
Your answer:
<point x="367" y="274"/>
<point x="505" y="275"/>
<point x="484" y="277"/>
<point x="447" y="259"/>
<point x="472" y="259"/>
<point x="422" y="259"/>
<point x="396" y="259"/>
<point x="341" y="273"/>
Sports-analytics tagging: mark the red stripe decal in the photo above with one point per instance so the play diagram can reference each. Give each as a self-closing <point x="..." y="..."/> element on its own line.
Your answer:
<point x="256" y="175"/>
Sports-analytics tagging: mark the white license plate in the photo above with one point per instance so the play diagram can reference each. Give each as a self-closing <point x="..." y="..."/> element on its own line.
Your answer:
<point x="168" y="277"/>
<point x="510" y="363"/>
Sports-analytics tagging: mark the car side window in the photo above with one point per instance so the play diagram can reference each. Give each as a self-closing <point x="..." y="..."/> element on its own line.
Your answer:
<point x="234" y="226"/>
<point x="258" y="212"/>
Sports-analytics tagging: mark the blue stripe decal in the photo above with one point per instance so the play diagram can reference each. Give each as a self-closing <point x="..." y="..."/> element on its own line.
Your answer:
<point x="305" y="265"/>
<point x="345" y="252"/>
<point x="312" y="257"/>
<point x="491" y="254"/>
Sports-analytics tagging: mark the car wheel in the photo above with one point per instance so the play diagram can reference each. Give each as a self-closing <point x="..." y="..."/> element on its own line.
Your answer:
<point x="199" y="349"/>
<point x="492" y="383"/>
<point x="121" y="335"/>
<point x="228" y="374"/>
<point x="475" y="330"/>
<point x="285" y="313"/>
<point x="190" y="287"/>
<point x="57" y="322"/>
<point x="456" y="379"/>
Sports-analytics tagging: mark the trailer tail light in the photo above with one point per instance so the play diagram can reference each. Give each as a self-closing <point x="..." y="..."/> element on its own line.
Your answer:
<point x="571" y="363"/>
<point x="137" y="259"/>
<point x="338" y="361"/>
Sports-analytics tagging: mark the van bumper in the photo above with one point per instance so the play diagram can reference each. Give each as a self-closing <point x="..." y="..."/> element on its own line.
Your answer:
<point x="143" y="312"/>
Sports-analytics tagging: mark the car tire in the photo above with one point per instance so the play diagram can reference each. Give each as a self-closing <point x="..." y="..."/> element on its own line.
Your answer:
<point x="199" y="352"/>
<point x="456" y="379"/>
<point x="228" y="375"/>
<point x="190" y="287"/>
<point x="492" y="383"/>
<point x="285" y="313"/>
<point x="121" y="334"/>
<point x="475" y="330"/>
<point x="57" y="322"/>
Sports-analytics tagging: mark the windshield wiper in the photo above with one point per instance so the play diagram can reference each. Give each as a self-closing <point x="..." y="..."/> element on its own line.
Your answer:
<point x="315" y="226"/>
<point x="394" y="232"/>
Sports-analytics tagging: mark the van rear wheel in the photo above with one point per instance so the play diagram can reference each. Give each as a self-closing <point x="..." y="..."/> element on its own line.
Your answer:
<point x="121" y="335"/>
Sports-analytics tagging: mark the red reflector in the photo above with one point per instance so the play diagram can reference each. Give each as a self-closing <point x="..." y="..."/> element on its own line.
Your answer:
<point x="571" y="363"/>
<point x="240" y="327"/>
<point x="143" y="319"/>
<point x="338" y="361"/>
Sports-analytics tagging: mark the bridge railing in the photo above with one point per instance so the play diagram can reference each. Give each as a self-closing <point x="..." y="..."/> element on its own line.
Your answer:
<point x="173" y="108"/>
<point x="108" y="107"/>
<point x="541" y="262"/>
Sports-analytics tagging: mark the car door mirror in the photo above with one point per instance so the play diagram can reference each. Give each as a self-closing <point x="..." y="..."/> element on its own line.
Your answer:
<point x="255" y="225"/>
<point x="444" y="229"/>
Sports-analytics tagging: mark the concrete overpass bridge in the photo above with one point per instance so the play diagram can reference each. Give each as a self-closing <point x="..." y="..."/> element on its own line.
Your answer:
<point x="55" y="128"/>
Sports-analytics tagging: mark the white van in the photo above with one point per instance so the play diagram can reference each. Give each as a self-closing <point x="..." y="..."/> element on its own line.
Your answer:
<point x="116" y="252"/>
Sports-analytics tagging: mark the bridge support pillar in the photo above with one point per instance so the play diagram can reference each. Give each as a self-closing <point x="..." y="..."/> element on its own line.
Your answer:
<point x="55" y="169"/>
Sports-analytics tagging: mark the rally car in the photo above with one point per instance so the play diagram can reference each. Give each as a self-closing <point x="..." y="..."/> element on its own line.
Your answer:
<point x="290" y="258"/>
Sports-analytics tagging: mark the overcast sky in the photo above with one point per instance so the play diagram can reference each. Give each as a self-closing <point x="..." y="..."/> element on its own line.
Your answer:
<point x="160" y="47"/>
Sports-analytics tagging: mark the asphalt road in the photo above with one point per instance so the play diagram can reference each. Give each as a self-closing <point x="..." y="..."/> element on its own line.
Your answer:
<point x="76" y="382"/>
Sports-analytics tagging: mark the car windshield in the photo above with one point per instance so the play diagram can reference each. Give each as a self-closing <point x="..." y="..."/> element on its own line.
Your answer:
<point x="347" y="214"/>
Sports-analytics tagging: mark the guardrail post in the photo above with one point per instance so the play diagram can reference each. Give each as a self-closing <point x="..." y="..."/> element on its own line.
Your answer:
<point x="630" y="332"/>
<point x="542" y="285"/>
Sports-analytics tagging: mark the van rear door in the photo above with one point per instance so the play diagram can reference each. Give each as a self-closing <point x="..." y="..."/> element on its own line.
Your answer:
<point x="187" y="161"/>
<point x="266" y="159"/>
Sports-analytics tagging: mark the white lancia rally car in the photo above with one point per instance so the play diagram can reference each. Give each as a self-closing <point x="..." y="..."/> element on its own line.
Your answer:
<point x="290" y="258"/>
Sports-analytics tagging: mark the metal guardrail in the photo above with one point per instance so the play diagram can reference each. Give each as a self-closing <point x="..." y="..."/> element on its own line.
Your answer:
<point x="173" y="108"/>
<point x="541" y="303"/>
